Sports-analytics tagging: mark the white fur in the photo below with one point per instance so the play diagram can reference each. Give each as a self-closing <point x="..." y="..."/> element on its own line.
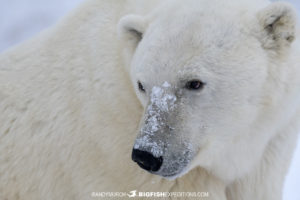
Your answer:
<point x="69" y="112"/>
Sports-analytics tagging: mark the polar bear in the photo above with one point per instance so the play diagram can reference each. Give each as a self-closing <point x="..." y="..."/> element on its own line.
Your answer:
<point x="202" y="95"/>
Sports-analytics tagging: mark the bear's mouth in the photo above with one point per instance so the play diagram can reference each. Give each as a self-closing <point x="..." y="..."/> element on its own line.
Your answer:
<point x="173" y="176"/>
<point x="170" y="175"/>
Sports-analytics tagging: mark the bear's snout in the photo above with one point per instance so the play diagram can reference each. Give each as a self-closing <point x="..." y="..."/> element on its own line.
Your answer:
<point x="146" y="160"/>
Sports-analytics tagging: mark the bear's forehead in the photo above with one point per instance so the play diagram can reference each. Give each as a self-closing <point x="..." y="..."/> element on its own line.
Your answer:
<point x="228" y="9"/>
<point x="193" y="34"/>
<point x="184" y="47"/>
<point x="211" y="19"/>
<point x="194" y="30"/>
<point x="192" y="39"/>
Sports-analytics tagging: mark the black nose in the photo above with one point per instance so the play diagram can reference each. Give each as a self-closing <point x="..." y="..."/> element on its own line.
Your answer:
<point x="146" y="160"/>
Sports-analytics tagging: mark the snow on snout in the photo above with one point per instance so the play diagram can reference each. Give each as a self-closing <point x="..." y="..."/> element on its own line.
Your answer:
<point x="161" y="102"/>
<point x="161" y="99"/>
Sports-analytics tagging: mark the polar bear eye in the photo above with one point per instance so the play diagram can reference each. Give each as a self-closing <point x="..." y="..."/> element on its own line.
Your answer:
<point x="141" y="87"/>
<point x="194" y="85"/>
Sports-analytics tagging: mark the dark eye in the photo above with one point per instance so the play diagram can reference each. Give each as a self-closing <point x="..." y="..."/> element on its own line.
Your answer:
<point x="141" y="87"/>
<point x="194" y="85"/>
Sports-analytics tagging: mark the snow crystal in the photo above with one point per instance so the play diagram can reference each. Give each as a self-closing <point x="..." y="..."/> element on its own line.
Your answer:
<point x="166" y="84"/>
<point x="154" y="123"/>
<point x="162" y="100"/>
<point x="155" y="148"/>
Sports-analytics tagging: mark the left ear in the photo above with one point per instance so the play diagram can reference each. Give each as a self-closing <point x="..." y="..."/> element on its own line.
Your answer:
<point x="131" y="29"/>
<point x="278" y="22"/>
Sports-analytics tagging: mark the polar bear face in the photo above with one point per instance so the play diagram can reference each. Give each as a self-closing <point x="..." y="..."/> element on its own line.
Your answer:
<point x="201" y="74"/>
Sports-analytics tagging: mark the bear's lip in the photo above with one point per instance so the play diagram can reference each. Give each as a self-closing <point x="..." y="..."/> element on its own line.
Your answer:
<point x="173" y="176"/>
<point x="178" y="174"/>
<point x="170" y="175"/>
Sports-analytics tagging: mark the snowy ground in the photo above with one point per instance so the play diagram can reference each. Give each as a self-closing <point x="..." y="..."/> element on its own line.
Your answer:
<point x="22" y="19"/>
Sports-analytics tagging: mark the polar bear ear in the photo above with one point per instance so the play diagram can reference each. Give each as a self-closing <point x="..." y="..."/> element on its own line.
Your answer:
<point x="131" y="29"/>
<point x="278" y="22"/>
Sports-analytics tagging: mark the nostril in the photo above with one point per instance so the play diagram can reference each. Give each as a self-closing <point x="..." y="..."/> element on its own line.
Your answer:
<point x="146" y="160"/>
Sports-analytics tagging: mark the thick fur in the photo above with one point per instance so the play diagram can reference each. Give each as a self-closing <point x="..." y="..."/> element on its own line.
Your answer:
<point x="70" y="112"/>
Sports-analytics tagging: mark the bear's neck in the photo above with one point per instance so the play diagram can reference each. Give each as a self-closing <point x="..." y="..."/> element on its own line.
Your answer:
<point x="266" y="180"/>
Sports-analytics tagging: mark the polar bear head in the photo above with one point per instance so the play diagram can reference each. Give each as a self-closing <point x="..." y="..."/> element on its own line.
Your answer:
<point x="203" y="71"/>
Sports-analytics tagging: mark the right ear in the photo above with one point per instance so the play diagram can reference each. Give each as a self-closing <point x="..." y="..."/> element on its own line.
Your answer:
<point x="131" y="29"/>
<point x="278" y="22"/>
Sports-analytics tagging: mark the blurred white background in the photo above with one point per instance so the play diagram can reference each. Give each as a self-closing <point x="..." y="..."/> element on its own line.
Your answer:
<point x="22" y="19"/>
